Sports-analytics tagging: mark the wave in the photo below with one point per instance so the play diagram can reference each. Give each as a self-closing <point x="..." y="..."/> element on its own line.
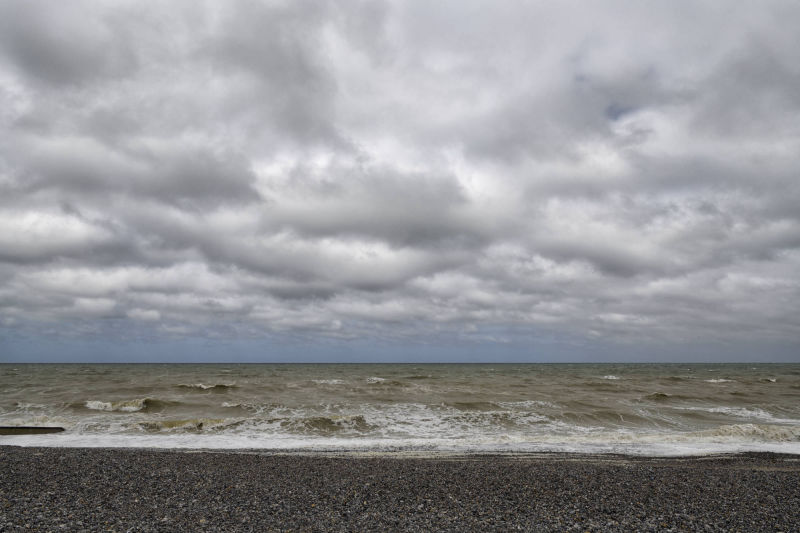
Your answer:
<point x="374" y="380"/>
<point x="26" y="406"/>
<point x="440" y="426"/>
<point x="188" y="424"/>
<point x="753" y="413"/>
<point x="202" y="386"/>
<point x="754" y="432"/>
<point x="659" y="397"/>
<point x="768" y="380"/>
<point x="663" y="397"/>
<point x="720" y="380"/>
<point x="267" y="409"/>
<point x="328" y="381"/>
<point x="528" y="404"/>
<point x="326" y="425"/>
<point x="473" y="406"/>
<point x="127" y="406"/>
<point x="611" y="377"/>
<point x="42" y="420"/>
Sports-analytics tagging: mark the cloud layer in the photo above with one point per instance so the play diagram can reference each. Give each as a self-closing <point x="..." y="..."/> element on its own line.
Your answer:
<point x="401" y="171"/>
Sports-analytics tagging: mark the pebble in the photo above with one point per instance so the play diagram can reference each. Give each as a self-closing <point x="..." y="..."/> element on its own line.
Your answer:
<point x="153" y="490"/>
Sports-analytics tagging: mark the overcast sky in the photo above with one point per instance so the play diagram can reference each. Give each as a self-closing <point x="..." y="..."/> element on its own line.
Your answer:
<point x="410" y="180"/>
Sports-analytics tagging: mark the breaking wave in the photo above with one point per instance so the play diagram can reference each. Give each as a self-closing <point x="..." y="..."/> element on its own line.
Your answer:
<point x="748" y="413"/>
<point x="659" y="397"/>
<point x="751" y="432"/>
<point x="217" y="387"/>
<point x="473" y="406"/>
<point x="189" y="424"/>
<point x="326" y="425"/>
<point x="127" y="406"/>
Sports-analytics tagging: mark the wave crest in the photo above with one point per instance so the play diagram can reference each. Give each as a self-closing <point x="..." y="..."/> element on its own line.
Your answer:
<point x="202" y="386"/>
<point x="126" y="406"/>
<point x="188" y="424"/>
<point x="757" y="432"/>
<point x="658" y="397"/>
<point x="326" y="425"/>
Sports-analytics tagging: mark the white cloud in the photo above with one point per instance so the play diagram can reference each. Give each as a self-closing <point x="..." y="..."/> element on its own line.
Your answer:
<point x="144" y="314"/>
<point x="402" y="170"/>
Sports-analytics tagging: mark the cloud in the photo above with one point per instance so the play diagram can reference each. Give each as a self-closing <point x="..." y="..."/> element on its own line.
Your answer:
<point x="62" y="45"/>
<point x="402" y="172"/>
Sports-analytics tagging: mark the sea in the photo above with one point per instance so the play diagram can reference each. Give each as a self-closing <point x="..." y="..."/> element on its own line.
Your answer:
<point x="644" y="409"/>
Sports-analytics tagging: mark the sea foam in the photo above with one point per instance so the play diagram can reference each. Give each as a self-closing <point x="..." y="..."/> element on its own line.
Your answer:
<point x="126" y="406"/>
<point x="203" y="386"/>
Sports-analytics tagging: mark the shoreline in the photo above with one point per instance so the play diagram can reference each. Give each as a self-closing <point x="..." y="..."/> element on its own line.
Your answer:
<point x="63" y="440"/>
<point x="158" y="489"/>
<point x="434" y="455"/>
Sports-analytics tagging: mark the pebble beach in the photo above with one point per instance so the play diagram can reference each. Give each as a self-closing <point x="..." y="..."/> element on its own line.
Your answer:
<point x="74" y="489"/>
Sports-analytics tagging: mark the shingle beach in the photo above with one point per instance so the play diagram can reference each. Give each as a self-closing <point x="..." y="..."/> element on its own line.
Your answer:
<point x="66" y="489"/>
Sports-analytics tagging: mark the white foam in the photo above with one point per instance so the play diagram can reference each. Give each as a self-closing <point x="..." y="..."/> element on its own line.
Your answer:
<point x="720" y="380"/>
<point x="529" y="404"/>
<point x="328" y="381"/>
<point x="725" y="439"/>
<point x="203" y="386"/>
<point x="750" y="432"/>
<point x="375" y="379"/>
<point x="126" y="406"/>
<point x="35" y="420"/>
<point x="610" y="376"/>
<point x="753" y="413"/>
<point x="26" y="406"/>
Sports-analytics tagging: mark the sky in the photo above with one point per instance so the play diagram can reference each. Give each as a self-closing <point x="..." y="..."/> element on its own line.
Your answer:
<point x="399" y="181"/>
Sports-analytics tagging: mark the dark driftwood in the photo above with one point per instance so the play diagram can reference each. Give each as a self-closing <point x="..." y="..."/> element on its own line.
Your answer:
<point x="28" y="430"/>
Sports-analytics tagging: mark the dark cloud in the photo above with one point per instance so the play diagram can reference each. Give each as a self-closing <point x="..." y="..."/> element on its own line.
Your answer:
<point x="386" y="172"/>
<point x="62" y="44"/>
<point x="741" y="96"/>
<point x="276" y="52"/>
<point x="401" y="209"/>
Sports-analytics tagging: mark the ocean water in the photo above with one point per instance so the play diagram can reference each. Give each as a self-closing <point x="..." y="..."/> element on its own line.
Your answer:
<point x="650" y="409"/>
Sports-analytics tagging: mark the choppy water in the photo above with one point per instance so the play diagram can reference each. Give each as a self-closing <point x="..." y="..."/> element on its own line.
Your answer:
<point x="629" y="408"/>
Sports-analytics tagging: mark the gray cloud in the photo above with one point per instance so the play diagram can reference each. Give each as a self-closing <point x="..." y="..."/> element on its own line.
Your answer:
<point x="392" y="172"/>
<point x="64" y="45"/>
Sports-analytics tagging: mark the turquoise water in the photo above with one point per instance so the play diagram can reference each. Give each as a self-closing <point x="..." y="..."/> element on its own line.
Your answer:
<point x="627" y="408"/>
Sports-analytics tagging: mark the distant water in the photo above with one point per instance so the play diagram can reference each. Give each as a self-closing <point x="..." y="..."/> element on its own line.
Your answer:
<point x="626" y="408"/>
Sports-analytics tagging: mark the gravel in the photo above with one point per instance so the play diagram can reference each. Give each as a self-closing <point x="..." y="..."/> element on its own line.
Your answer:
<point x="68" y="489"/>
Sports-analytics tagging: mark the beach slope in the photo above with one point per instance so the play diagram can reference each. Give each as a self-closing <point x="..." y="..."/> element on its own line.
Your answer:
<point x="151" y="490"/>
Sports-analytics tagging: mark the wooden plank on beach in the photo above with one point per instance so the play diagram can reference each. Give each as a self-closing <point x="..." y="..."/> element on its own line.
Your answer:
<point x="29" y="430"/>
